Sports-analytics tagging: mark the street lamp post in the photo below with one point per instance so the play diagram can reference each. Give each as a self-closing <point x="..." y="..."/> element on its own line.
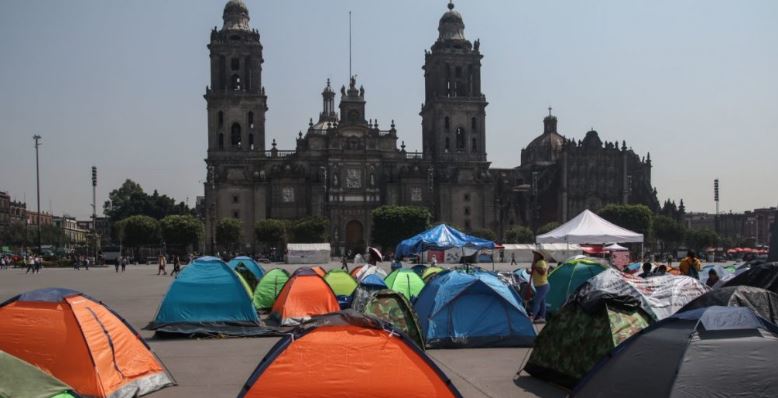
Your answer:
<point x="37" y="139"/>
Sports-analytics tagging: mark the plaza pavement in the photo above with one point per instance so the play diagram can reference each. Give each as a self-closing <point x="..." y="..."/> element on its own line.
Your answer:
<point x="218" y="368"/>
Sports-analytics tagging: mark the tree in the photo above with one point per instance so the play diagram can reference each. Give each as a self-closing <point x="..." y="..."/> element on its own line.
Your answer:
<point x="700" y="239"/>
<point x="17" y="234"/>
<point x="548" y="227"/>
<point x="309" y="230"/>
<point x="53" y="235"/>
<point x="392" y="224"/>
<point x="636" y="218"/>
<point x="228" y="233"/>
<point x="669" y="231"/>
<point x="484" y="233"/>
<point x="519" y="234"/>
<point x="271" y="232"/>
<point x="180" y="231"/>
<point x="130" y="199"/>
<point x="140" y="231"/>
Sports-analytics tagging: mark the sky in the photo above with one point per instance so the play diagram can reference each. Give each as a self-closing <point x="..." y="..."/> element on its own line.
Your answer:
<point x="120" y="84"/>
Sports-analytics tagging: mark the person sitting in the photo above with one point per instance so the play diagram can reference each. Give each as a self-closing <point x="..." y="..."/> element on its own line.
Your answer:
<point x="660" y="270"/>
<point x="690" y="265"/>
<point x="646" y="270"/>
<point x="713" y="278"/>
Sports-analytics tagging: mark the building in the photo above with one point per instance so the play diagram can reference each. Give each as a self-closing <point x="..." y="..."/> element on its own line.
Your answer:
<point x="33" y="218"/>
<point x="19" y="212"/>
<point x="75" y="236"/>
<point x="750" y="228"/>
<point x="5" y="211"/>
<point x="345" y="164"/>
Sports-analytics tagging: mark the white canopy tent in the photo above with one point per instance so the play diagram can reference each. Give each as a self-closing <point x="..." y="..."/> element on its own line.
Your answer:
<point x="589" y="228"/>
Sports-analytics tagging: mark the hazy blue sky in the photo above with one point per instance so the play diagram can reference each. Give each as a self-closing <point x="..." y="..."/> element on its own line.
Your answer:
<point x="119" y="84"/>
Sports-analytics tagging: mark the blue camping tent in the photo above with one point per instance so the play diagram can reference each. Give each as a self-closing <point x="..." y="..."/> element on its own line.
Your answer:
<point x="252" y="266"/>
<point x="441" y="237"/>
<point x="207" y="298"/>
<point x="459" y="309"/>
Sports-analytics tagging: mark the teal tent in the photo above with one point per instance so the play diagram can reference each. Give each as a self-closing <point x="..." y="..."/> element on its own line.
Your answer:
<point x="248" y="269"/>
<point x="207" y="298"/>
<point x="567" y="277"/>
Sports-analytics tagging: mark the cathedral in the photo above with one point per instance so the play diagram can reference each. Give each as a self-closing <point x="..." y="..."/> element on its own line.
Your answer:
<point x="345" y="165"/>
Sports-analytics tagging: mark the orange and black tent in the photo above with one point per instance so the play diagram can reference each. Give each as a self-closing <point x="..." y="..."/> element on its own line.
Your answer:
<point x="82" y="342"/>
<point x="306" y="294"/>
<point x="347" y="354"/>
<point x="318" y="270"/>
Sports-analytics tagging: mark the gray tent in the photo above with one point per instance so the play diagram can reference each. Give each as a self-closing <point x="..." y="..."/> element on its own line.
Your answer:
<point x="763" y="302"/>
<point x="713" y="351"/>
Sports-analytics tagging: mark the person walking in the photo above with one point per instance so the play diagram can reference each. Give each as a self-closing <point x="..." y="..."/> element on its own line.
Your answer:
<point x="540" y="281"/>
<point x="690" y="265"/>
<point x="513" y="259"/>
<point x="38" y="265"/>
<point x="162" y="264"/>
<point x="124" y="263"/>
<point x="118" y="264"/>
<point x="86" y="263"/>
<point x="28" y="261"/>
<point x="176" y="266"/>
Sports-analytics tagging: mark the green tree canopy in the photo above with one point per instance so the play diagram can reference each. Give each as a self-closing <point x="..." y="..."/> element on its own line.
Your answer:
<point x="635" y="218"/>
<point x="484" y="233"/>
<point x="130" y="199"/>
<point x="669" y="231"/>
<point x="228" y="233"/>
<point x="139" y="231"/>
<point x="392" y="224"/>
<point x="699" y="239"/>
<point x="16" y="234"/>
<point x="181" y="231"/>
<point x="51" y="235"/>
<point x="309" y="230"/>
<point x="548" y="227"/>
<point x="519" y="234"/>
<point x="271" y="232"/>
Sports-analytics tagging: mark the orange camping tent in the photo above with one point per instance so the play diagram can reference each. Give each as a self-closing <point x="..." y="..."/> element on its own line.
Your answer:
<point x="319" y="271"/>
<point x="304" y="295"/>
<point x="353" y="356"/>
<point x="82" y="342"/>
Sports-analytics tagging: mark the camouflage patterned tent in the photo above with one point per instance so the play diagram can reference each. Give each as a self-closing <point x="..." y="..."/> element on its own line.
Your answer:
<point x="390" y="306"/>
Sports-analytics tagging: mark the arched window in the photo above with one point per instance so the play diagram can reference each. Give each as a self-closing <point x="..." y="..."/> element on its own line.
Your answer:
<point x="446" y="123"/>
<point x="235" y="82"/>
<point x="460" y="139"/>
<point x="221" y="141"/>
<point x="448" y="146"/>
<point x="234" y="63"/>
<point x="251" y="142"/>
<point x="221" y="119"/>
<point x="474" y="145"/>
<point x="251" y="120"/>
<point x="235" y="135"/>
<point x="473" y="124"/>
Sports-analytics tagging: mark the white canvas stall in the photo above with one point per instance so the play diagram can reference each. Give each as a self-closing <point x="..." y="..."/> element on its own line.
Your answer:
<point x="307" y="253"/>
<point x="590" y="228"/>
<point x="559" y="251"/>
<point x="521" y="252"/>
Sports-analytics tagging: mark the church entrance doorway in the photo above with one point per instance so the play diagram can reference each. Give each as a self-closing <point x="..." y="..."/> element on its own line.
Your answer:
<point x="355" y="241"/>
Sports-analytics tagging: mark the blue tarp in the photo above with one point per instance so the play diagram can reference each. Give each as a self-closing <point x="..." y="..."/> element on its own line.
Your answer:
<point x="441" y="237"/>
<point x="459" y="309"/>
<point x="206" y="291"/>
<point x="250" y="264"/>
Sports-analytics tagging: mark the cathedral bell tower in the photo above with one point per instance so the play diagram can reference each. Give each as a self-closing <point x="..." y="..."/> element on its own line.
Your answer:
<point x="236" y="99"/>
<point x="453" y="114"/>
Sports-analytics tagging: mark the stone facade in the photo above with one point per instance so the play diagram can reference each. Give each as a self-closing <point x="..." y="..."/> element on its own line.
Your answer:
<point x="346" y="164"/>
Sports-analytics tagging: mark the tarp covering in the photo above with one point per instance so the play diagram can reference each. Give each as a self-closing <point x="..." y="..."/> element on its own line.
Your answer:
<point x="566" y="278"/>
<point x="81" y="342"/>
<point x="392" y="307"/>
<point x="207" y="298"/>
<point x="707" y="352"/>
<point x="441" y="237"/>
<point x="347" y="354"/>
<point x="574" y="340"/>
<point x="459" y="309"/>
<point x="559" y="251"/>
<point x="269" y="287"/>
<point x="306" y="294"/>
<point x="406" y="282"/>
<point x="763" y="302"/>
<point x="588" y="227"/>
<point x="308" y="253"/>
<point x="366" y="270"/>
<point x="759" y="275"/>
<point x="367" y="286"/>
<point x="20" y="379"/>
<point x="659" y="296"/>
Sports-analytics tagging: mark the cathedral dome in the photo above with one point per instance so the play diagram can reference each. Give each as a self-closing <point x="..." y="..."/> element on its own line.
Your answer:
<point x="546" y="147"/>
<point x="451" y="26"/>
<point x="236" y="15"/>
<point x="592" y="140"/>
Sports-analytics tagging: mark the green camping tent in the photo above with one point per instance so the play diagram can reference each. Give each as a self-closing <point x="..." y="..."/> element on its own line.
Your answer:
<point x="573" y="340"/>
<point x="390" y="306"/>
<point x="405" y="281"/>
<point x="341" y="282"/>
<point x="269" y="287"/>
<point x="430" y="272"/>
<point x="567" y="277"/>
<point x="21" y="379"/>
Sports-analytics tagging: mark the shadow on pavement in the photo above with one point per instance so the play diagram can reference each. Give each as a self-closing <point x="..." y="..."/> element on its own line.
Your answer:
<point x="538" y="387"/>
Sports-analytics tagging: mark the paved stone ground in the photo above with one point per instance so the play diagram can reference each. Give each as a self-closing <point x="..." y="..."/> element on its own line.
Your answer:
<point x="219" y="367"/>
